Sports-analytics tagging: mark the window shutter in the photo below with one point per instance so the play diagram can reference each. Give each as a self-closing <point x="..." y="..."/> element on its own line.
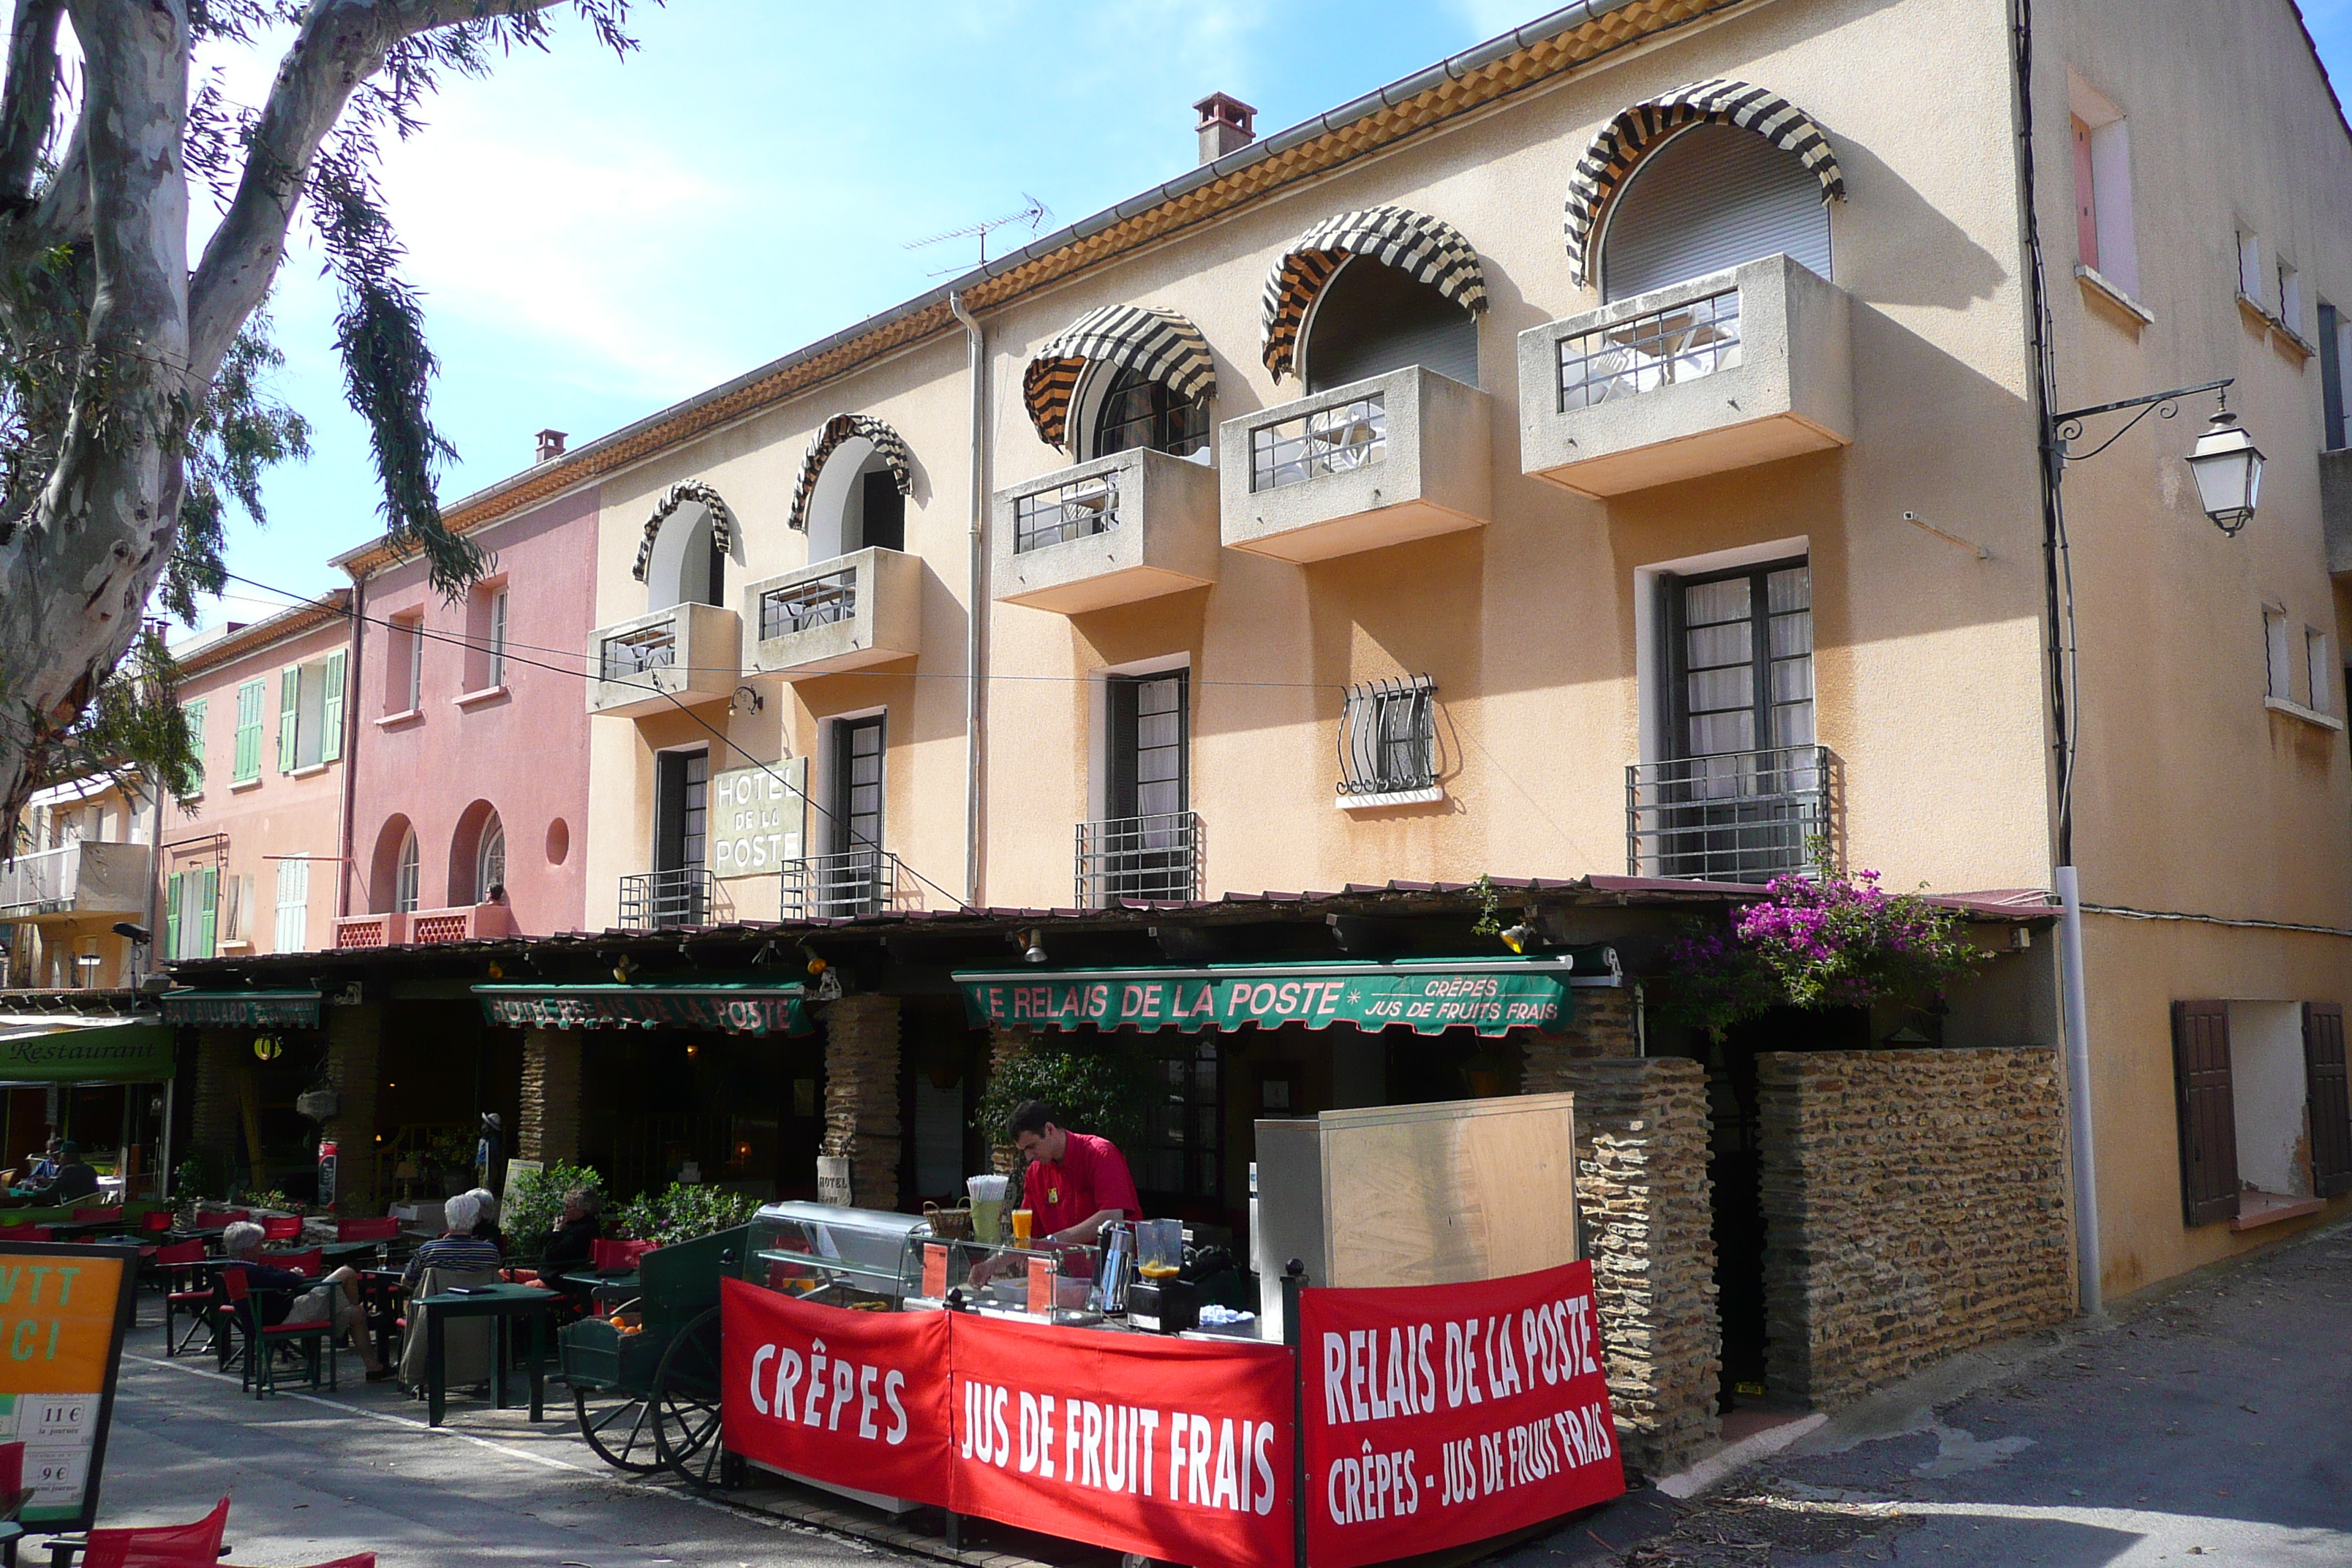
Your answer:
<point x="208" y="913"/>
<point x="330" y="711"/>
<point x="1118" y="790"/>
<point x="2209" y="1116"/>
<point x="2086" y="212"/>
<point x="248" y="766"/>
<point x="289" y="715"/>
<point x="196" y="717"/>
<point x="175" y="888"/>
<point x="2329" y="1098"/>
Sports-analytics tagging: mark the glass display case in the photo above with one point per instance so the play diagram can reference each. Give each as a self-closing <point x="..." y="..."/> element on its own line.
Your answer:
<point x="1000" y="1277"/>
<point x="857" y="1258"/>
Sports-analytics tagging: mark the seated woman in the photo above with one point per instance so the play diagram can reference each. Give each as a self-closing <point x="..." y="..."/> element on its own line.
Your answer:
<point x="290" y="1298"/>
<point x="487" y="1226"/>
<point x="571" y="1244"/>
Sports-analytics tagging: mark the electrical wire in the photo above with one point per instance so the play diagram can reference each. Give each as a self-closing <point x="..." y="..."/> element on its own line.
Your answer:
<point x="2124" y="911"/>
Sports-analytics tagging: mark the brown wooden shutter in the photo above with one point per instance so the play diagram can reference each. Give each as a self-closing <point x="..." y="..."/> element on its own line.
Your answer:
<point x="2330" y="1098"/>
<point x="2209" y="1115"/>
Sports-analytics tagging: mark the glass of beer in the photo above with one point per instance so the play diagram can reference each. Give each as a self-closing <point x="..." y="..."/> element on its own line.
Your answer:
<point x="1021" y="1219"/>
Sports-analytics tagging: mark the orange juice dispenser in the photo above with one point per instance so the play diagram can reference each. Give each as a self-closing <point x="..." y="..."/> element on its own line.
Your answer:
<point x="1160" y="1300"/>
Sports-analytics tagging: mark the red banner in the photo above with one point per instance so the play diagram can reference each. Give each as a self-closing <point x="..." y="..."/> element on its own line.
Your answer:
<point x="857" y="1399"/>
<point x="1437" y="1416"/>
<point x="1178" y="1450"/>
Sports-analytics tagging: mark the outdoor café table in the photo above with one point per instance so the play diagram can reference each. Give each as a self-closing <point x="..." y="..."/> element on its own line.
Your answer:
<point x="500" y="1302"/>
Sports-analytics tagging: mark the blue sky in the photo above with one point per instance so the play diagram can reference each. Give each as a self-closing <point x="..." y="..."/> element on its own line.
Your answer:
<point x="598" y="238"/>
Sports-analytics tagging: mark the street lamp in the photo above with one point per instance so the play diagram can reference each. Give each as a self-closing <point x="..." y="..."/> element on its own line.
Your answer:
<point x="2228" y="467"/>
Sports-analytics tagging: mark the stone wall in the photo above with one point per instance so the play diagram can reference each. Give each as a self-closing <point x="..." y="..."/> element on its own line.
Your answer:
<point x="216" y="1125"/>
<point x="1648" y="1211"/>
<point x="548" y="1128"/>
<point x="354" y="1041"/>
<point x="1603" y="1026"/>
<point x="1915" y="1205"/>
<point x="861" y="1095"/>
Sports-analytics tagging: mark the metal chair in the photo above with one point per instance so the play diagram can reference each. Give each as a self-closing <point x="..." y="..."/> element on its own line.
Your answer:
<point x="147" y="1546"/>
<point x="263" y="1341"/>
<point x="187" y="1291"/>
<point x="281" y="1227"/>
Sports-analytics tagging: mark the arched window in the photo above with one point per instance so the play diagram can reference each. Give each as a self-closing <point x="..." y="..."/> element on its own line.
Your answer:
<point x="490" y="861"/>
<point x="404" y="876"/>
<point x="1132" y="410"/>
<point x="1372" y="318"/>
<point x="853" y="489"/>
<point x="1710" y="198"/>
<point x="689" y="561"/>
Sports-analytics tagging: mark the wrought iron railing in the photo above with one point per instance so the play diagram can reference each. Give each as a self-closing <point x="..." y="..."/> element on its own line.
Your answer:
<point x="1388" y="737"/>
<point x="818" y="601"/>
<point x="1075" y="510"/>
<point x="1156" y="856"/>
<point x="835" y="887"/>
<point x="1645" y="352"/>
<point x="1740" y="816"/>
<point x="657" y="901"/>
<point x="629" y="654"/>
<point x="1326" y="441"/>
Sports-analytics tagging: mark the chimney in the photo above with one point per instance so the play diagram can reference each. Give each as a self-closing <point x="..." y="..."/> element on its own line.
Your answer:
<point x="1226" y="124"/>
<point x="551" y="445"/>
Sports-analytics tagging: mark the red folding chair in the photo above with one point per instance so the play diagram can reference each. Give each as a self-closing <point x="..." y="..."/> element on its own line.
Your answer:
<point x="281" y="1227"/>
<point x="312" y="1261"/>
<point x="13" y="1495"/>
<point x="155" y="1220"/>
<point x="159" y="1546"/>
<point x="221" y="1219"/>
<point x="187" y="1291"/>
<point x="615" y="1257"/>
<point x="366" y="1229"/>
<point x="25" y="1233"/>
<point x="107" y="1215"/>
<point x="263" y="1341"/>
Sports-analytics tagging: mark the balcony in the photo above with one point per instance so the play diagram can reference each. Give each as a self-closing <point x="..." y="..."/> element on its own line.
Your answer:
<point x="468" y="922"/>
<point x="1111" y="532"/>
<point x="658" y="901"/>
<point x="840" y="886"/>
<point x="1741" y="816"/>
<point x="94" y="877"/>
<point x="1710" y="376"/>
<point x="1400" y="456"/>
<point x="1156" y="858"/>
<point x="371" y="931"/>
<point x="855" y="610"/>
<point x="688" y="654"/>
<point x="2335" y="507"/>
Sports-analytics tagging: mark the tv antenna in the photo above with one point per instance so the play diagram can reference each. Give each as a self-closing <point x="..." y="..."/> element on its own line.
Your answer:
<point x="1034" y="214"/>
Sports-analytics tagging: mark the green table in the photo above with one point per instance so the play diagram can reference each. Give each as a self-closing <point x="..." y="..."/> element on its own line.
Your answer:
<point x="501" y="1304"/>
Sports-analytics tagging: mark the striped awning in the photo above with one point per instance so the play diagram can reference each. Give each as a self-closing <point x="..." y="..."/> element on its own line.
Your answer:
<point x="722" y="521"/>
<point x="1429" y="247"/>
<point x="1157" y="344"/>
<point x="1620" y="143"/>
<point x="832" y="434"/>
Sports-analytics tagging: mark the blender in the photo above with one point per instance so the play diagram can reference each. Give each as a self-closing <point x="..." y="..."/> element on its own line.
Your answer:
<point x="1160" y="1300"/>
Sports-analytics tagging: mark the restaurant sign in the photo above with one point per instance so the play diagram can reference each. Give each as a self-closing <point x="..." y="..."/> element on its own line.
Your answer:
<point x="243" y="1009"/>
<point x="741" y="1009"/>
<point x="106" y="1052"/>
<point x="1492" y="997"/>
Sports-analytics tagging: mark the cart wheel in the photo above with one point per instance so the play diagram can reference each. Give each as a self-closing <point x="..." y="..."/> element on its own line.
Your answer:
<point x="684" y="1414"/>
<point x="619" y="1426"/>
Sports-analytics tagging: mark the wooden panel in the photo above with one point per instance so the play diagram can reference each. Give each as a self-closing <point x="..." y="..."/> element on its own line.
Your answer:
<point x="2209" y="1115"/>
<point x="2329" y="1098"/>
<point x="1439" y="1193"/>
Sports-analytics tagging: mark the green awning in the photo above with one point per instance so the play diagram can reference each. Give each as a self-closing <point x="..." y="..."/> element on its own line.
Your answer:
<point x="58" y="1051"/>
<point x="728" y="1006"/>
<point x="1492" y="996"/>
<point x="242" y="1009"/>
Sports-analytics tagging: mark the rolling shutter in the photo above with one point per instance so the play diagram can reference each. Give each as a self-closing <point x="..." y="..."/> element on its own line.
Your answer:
<point x="2209" y="1115"/>
<point x="2329" y="1099"/>
<point x="1712" y="197"/>
<point x="330" y="711"/>
<point x="289" y="715"/>
<point x="1371" y="320"/>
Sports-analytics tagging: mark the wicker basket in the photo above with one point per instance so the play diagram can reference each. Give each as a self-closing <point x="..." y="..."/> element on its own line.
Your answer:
<point x="950" y="1224"/>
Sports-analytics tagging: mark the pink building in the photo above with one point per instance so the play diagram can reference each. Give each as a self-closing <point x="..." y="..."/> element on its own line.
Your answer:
<point x="471" y="791"/>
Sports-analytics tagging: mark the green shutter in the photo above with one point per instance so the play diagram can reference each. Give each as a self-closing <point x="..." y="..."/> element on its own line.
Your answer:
<point x="207" y="917"/>
<point x="248" y="766"/>
<point x="289" y="715"/>
<point x="195" y="713"/>
<point x="173" y="886"/>
<point x="330" y="711"/>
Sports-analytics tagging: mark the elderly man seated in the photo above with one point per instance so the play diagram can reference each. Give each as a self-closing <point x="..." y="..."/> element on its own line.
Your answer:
<point x="458" y="1249"/>
<point x="287" y="1297"/>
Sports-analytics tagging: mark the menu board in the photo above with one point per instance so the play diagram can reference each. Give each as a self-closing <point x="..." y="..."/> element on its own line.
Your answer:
<point x="64" y="1310"/>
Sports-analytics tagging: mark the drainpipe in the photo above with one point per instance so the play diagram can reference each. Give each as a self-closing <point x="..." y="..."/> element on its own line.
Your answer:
<point x="975" y="700"/>
<point x="2078" y="1093"/>
<point x="352" y="686"/>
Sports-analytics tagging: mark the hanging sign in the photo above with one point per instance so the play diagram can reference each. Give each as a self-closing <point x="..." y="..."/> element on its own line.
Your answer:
<point x="1492" y="998"/>
<point x="107" y="1053"/>
<point x="64" y="1310"/>
<point x="738" y="1009"/>
<point x="234" y="1009"/>
<point x="759" y="817"/>
<point x="1442" y="1415"/>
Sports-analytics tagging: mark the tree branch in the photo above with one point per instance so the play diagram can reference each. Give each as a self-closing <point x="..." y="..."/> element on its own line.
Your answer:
<point x="29" y="106"/>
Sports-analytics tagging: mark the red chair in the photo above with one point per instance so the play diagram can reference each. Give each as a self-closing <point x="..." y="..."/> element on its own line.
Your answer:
<point x="262" y="1341"/>
<point x="155" y="1220"/>
<point x="281" y="1227"/>
<point x="356" y="1559"/>
<point x="615" y="1257"/>
<point x="311" y="1262"/>
<point x="13" y="1495"/>
<point x="159" y="1546"/>
<point x="111" y="1214"/>
<point x="221" y="1219"/>
<point x="186" y="1290"/>
<point x="25" y="1233"/>
<point x="367" y="1229"/>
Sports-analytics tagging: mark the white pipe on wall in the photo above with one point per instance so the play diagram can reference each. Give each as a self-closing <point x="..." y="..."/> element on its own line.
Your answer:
<point x="976" y="613"/>
<point x="2078" y="1090"/>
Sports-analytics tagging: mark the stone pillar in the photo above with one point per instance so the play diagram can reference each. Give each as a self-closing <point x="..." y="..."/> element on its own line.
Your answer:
<point x="214" y="1125"/>
<point x="1005" y="1043"/>
<point x="1648" y="1212"/>
<point x="547" y="1130"/>
<point x="1604" y="1027"/>
<point x="354" y="1050"/>
<point x="861" y="1096"/>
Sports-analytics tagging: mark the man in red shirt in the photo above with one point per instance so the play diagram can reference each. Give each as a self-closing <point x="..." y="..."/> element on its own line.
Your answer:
<point x="1076" y="1184"/>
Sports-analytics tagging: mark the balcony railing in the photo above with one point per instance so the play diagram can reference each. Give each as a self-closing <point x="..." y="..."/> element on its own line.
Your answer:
<point x="1741" y="816"/>
<point x="631" y="654"/>
<point x="657" y="901"/>
<point x="92" y="876"/>
<point x="838" y="887"/>
<point x="811" y="602"/>
<point x="1079" y="510"/>
<point x="1156" y="856"/>
<point x="1663" y="348"/>
<point x="1326" y="441"/>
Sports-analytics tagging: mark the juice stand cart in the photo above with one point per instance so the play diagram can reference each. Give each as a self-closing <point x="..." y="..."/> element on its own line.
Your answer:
<point x="644" y="1368"/>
